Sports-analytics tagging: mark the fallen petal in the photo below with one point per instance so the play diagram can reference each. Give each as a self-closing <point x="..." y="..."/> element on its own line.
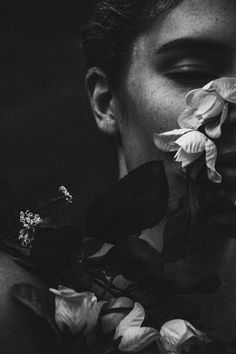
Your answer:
<point x="136" y="339"/>
<point x="133" y="319"/>
<point x="172" y="334"/>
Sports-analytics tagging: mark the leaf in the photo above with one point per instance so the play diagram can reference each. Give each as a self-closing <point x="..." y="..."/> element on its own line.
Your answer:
<point x="52" y="246"/>
<point x="207" y="285"/>
<point x="169" y="307"/>
<point x="135" y="203"/>
<point x="135" y="259"/>
<point x="176" y="234"/>
<point x="38" y="303"/>
<point x="76" y="276"/>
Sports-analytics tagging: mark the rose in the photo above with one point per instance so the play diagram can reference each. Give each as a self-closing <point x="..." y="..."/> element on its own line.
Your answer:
<point x="175" y="333"/>
<point x="208" y="106"/>
<point x="189" y="146"/>
<point x="78" y="311"/>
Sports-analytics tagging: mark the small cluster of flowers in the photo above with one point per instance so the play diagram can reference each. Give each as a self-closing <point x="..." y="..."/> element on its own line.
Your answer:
<point x="80" y="313"/>
<point x="66" y="195"/>
<point x="29" y="221"/>
<point x="207" y="107"/>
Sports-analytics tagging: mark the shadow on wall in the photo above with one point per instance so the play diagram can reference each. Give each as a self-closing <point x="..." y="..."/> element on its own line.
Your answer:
<point x="48" y="137"/>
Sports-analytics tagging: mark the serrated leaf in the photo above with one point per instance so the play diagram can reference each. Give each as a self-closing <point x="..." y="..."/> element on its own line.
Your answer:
<point x="135" y="259"/>
<point x="52" y="246"/>
<point x="136" y="202"/>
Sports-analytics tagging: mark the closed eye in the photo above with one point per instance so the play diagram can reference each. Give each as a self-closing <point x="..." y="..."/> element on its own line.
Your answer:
<point x="190" y="76"/>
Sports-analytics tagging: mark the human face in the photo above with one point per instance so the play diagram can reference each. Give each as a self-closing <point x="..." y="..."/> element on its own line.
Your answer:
<point x="194" y="44"/>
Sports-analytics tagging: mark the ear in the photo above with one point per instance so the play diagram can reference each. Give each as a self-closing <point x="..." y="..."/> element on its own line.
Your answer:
<point x="102" y="101"/>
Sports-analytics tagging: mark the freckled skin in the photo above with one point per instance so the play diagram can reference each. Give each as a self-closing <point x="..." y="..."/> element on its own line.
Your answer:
<point x="154" y="102"/>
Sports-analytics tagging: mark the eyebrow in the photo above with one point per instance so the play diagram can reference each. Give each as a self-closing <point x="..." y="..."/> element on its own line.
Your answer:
<point x="195" y="44"/>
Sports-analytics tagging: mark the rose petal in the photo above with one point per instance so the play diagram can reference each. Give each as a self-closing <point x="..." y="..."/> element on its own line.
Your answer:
<point x="166" y="141"/>
<point x="211" y="106"/>
<point x="133" y="319"/>
<point x="195" y="97"/>
<point x="225" y="87"/>
<point x="136" y="339"/>
<point x="211" y="155"/>
<point x="192" y="142"/>
<point x="92" y="316"/>
<point x="213" y="129"/>
<point x="78" y="311"/>
<point x="172" y="334"/>
<point x="188" y="119"/>
<point x="186" y="158"/>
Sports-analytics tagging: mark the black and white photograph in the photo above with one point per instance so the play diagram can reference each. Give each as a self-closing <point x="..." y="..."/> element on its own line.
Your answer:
<point x="118" y="177"/>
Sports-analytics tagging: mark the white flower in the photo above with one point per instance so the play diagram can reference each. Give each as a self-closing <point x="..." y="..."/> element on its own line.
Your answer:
<point x="78" y="311"/>
<point x="134" y="338"/>
<point x="175" y="333"/>
<point x="208" y="106"/>
<point x="30" y="222"/>
<point x="66" y="195"/>
<point x="189" y="145"/>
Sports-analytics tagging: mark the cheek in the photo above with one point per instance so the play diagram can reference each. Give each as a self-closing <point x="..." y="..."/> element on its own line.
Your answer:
<point x="152" y="105"/>
<point x="155" y="102"/>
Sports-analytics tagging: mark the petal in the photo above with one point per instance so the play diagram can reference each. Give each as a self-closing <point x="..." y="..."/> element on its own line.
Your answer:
<point x="172" y="333"/>
<point x="211" y="155"/>
<point x="188" y="119"/>
<point x="67" y="314"/>
<point x="136" y="339"/>
<point x="92" y="316"/>
<point x="166" y="141"/>
<point x="192" y="142"/>
<point x="186" y="158"/>
<point x="225" y="87"/>
<point x="133" y="319"/>
<point x="195" y="97"/>
<point x="211" y="106"/>
<point x="213" y="129"/>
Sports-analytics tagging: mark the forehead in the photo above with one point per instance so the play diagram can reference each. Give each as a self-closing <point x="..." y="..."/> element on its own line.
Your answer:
<point x="207" y="19"/>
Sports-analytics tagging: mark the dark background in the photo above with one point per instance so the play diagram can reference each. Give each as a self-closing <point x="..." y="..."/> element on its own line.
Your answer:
<point x="48" y="137"/>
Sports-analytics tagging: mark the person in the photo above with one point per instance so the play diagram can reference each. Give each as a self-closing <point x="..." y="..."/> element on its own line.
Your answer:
<point x="143" y="57"/>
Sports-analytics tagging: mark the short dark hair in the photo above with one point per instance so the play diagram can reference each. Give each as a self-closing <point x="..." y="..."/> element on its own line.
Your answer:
<point x="108" y="37"/>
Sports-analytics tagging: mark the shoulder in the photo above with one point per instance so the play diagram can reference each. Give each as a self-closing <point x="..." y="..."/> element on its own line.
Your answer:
<point x="20" y="330"/>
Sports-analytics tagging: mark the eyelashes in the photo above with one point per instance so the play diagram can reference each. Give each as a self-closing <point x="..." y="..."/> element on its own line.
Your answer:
<point x="189" y="76"/>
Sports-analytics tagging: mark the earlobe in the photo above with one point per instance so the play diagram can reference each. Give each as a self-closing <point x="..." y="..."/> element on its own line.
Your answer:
<point x="102" y="101"/>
